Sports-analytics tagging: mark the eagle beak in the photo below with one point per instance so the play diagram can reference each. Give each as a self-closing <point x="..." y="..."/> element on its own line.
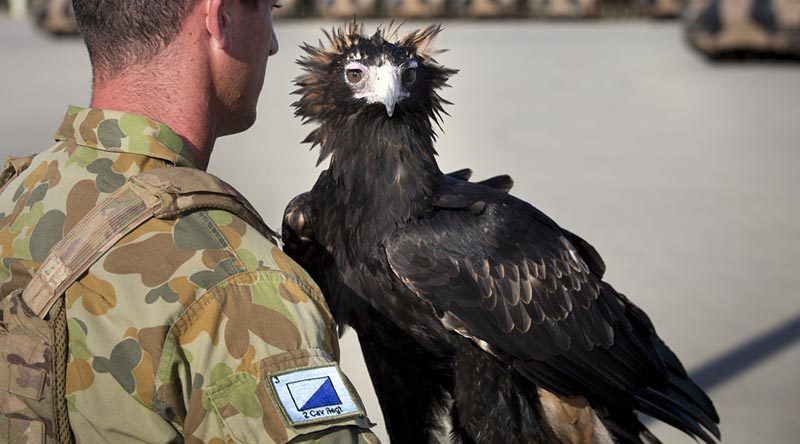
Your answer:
<point x="387" y="87"/>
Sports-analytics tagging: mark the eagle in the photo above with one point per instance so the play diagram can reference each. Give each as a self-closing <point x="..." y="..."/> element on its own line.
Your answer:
<point x="481" y="320"/>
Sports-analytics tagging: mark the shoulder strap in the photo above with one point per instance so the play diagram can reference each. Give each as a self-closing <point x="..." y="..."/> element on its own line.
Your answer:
<point x="162" y="193"/>
<point x="13" y="167"/>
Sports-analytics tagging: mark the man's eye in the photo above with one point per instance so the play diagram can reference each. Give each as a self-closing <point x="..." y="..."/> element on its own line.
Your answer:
<point x="410" y="76"/>
<point x="277" y="6"/>
<point x="354" y="75"/>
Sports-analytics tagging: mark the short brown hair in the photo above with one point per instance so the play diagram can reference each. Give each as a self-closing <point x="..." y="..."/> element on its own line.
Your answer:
<point x="119" y="33"/>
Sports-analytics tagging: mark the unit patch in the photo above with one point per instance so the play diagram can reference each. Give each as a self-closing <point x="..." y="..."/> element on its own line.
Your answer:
<point x="314" y="395"/>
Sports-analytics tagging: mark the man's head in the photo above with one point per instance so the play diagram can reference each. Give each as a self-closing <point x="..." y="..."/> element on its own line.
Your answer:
<point x="225" y="43"/>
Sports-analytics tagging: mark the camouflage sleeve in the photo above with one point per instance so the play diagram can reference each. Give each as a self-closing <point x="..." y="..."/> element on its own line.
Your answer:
<point x="255" y="361"/>
<point x="340" y="435"/>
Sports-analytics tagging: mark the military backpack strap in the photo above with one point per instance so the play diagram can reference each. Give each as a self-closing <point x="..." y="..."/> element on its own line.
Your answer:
<point x="13" y="167"/>
<point x="182" y="190"/>
<point x="162" y="193"/>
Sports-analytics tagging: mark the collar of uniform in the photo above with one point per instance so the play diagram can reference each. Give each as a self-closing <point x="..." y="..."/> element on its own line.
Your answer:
<point x="123" y="132"/>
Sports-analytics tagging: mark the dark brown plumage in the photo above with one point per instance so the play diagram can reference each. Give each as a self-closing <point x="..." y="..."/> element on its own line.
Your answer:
<point x="481" y="320"/>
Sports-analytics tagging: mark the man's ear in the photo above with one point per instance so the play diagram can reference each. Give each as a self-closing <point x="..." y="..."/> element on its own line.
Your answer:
<point x="219" y="20"/>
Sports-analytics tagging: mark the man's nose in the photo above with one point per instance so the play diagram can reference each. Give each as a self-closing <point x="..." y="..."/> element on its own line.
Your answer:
<point x="273" y="47"/>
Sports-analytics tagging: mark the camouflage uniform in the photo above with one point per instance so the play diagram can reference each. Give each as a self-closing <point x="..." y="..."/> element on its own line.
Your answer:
<point x="175" y="331"/>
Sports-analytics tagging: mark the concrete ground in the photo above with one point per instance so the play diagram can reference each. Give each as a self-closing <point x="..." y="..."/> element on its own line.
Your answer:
<point x="683" y="174"/>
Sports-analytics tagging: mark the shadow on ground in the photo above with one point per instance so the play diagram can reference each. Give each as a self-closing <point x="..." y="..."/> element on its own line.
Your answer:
<point x="738" y="360"/>
<point x="742" y="358"/>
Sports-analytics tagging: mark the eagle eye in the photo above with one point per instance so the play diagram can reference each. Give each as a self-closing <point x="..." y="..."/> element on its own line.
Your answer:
<point x="409" y="76"/>
<point x="354" y="75"/>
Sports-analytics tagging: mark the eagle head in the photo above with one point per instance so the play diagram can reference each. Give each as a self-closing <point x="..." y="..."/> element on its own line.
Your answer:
<point x="380" y="76"/>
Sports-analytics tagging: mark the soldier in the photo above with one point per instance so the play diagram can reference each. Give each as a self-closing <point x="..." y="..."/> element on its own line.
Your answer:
<point x="195" y="329"/>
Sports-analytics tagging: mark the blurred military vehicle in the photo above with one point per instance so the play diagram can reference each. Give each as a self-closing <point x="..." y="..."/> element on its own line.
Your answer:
<point x="725" y="27"/>
<point x="563" y="9"/>
<point x="415" y="8"/>
<point x="346" y="8"/>
<point x="486" y="8"/>
<point x="55" y="16"/>
<point x="663" y="8"/>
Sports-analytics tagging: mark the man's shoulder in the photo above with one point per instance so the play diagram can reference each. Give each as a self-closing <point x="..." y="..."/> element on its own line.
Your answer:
<point x="178" y="260"/>
<point x="200" y="249"/>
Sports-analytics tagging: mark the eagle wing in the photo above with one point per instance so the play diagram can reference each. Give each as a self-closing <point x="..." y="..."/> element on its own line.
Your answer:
<point x="501" y="273"/>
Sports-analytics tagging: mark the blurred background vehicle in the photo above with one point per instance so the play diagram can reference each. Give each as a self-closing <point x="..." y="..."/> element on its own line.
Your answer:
<point x="345" y="8"/>
<point x="665" y="9"/>
<point x="729" y="27"/>
<point x="714" y="27"/>
<point x="563" y="9"/>
<point x="417" y="8"/>
<point x="54" y="16"/>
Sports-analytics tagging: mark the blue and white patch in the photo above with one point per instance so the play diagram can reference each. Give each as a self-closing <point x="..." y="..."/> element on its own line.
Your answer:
<point x="314" y="395"/>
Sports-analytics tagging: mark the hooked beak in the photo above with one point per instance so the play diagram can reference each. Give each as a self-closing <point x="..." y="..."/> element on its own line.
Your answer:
<point x="390" y="108"/>
<point x="387" y="87"/>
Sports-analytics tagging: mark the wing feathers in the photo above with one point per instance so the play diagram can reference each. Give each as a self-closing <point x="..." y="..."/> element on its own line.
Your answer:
<point x="531" y="293"/>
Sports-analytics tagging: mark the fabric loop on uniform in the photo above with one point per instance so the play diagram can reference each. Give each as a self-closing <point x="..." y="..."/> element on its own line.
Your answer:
<point x="34" y="381"/>
<point x="180" y="180"/>
<point x="23" y="346"/>
<point x="26" y="431"/>
<point x="12" y="168"/>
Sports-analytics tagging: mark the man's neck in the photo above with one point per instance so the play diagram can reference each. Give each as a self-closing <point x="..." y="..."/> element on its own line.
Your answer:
<point x="167" y="94"/>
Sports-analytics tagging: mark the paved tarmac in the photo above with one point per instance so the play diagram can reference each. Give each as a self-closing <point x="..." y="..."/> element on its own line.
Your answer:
<point x="683" y="174"/>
